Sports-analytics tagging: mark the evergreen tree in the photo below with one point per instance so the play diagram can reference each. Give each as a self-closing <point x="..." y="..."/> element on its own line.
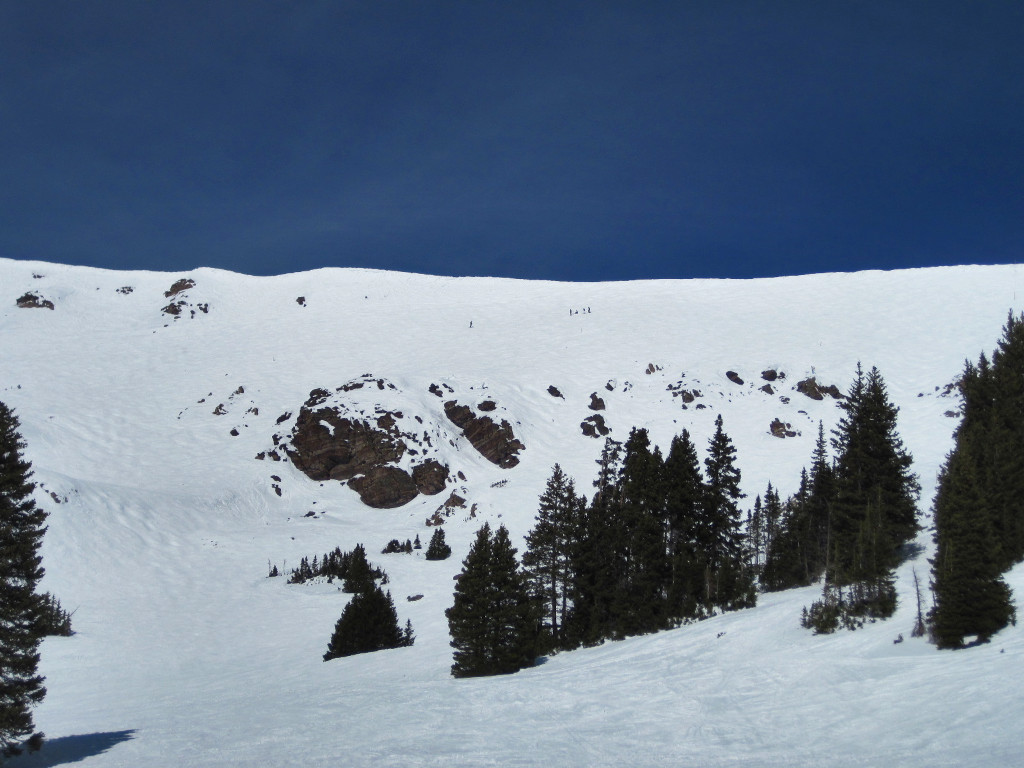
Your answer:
<point x="21" y="608"/>
<point x="873" y="513"/>
<point x="728" y="581"/>
<point x="798" y="553"/>
<point x="493" y="621"/>
<point x="1004" y="440"/>
<point x="549" y="554"/>
<point x="785" y="560"/>
<point x="971" y="598"/>
<point x="368" y="623"/>
<point x="438" y="549"/>
<point x="358" y="575"/>
<point x="596" y="556"/>
<point x="639" y="603"/>
<point x="684" y="496"/>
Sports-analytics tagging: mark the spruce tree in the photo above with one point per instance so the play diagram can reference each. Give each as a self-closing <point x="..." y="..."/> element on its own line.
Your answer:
<point x="971" y="598"/>
<point x="368" y="623"/>
<point x="359" y="576"/>
<point x="728" y="581"/>
<point x="21" y="610"/>
<point x="493" y="621"/>
<point x="596" y="560"/>
<point x="640" y="598"/>
<point x="684" y="496"/>
<point x="438" y="549"/>
<point x="1005" y="441"/>
<point x="549" y="555"/>
<point x="873" y="513"/>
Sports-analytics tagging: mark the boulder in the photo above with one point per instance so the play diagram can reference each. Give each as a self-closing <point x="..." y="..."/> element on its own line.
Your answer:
<point x="816" y="391"/>
<point x="596" y="403"/>
<point x="734" y="377"/>
<point x="384" y="487"/>
<point x="430" y="477"/>
<point x="34" y="301"/>
<point x="495" y="441"/>
<point x="778" y="428"/>
<point x="326" y="446"/>
<point x="179" y="286"/>
<point x="594" y="426"/>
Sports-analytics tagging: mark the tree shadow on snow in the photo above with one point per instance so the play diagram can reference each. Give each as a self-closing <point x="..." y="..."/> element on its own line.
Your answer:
<point x="71" y="749"/>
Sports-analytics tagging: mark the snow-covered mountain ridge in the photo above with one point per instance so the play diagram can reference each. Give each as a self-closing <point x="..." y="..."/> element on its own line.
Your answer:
<point x="145" y="425"/>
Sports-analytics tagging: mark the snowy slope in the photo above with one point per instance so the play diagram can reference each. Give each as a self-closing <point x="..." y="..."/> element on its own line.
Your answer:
<point x="187" y="655"/>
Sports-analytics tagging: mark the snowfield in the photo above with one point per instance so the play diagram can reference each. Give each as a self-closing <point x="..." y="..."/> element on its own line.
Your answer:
<point x="162" y="523"/>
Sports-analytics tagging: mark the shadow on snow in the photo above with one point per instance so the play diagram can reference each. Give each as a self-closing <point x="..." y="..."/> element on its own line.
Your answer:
<point x="71" y="749"/>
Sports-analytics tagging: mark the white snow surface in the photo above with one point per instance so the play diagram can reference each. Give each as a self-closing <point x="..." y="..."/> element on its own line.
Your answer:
<point x="186" y="654"/>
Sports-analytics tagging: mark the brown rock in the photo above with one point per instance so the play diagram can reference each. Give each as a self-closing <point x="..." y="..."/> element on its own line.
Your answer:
<point x="326" y="446"/>
<point x="384" y="487"/>
<point x="594" y="426"/>
<point x="181" y="285"/>
<point x="816" y="391"/>
<point x="554" y="392"/>
<point x="769" y="375"/>
<point x="430" y="477"/>
<point x="495" y="441"/>
<point x="780" y="429"/>
<point x="34" y="301"/>
<point x="734" y="377"/>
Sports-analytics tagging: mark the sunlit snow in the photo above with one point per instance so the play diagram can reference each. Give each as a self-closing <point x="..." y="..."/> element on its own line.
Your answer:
<point x="186" y="654"/>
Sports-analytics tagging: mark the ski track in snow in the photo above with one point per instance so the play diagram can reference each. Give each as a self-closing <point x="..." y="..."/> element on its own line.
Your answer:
<point x="186" y="654"/>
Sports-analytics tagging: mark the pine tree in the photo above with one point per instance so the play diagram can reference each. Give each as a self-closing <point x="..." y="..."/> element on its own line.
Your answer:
<point x="438" y="549"/>
<point x="549" y="555"/>
<point x="639" y="603"/>
<point x="971" y="598"/>
<point x="1005" y="441"/>
<point x="368" y="623"/>
<point x="21" y="533"/>
<point x="359" y="576"/>
<point x="596" y="560"/>
<point x="493" y="621"/>
<point x="728" y="581"/>
<point x="873" y="513"/>
<point x="684" y="496"/>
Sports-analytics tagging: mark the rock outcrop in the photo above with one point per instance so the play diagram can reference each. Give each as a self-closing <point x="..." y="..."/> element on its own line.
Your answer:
<point x="779" y="428"/>
<point x="34" y="301"/>
<point x="334" y="438"/>
<point x="594" y="426"/>
<point x="385" y="487"/>
<point x="816" y="391"/>
<point x="495" y="440"/>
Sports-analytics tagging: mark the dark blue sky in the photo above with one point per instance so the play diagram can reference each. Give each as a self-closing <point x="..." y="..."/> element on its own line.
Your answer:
<point x="578" y="141"/>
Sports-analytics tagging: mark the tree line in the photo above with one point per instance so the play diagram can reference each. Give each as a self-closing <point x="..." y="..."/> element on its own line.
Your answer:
<point x="660" y="543"/>
<point x="979" y="503"/>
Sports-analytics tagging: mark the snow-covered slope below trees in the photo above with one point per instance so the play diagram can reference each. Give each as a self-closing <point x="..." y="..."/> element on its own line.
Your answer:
<point x="162" y="521"/>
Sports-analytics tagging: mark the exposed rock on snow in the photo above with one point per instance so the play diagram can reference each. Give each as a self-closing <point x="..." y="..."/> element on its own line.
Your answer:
<point x="594" y="426"/>
<point x="384" y="487"/>
<point x="337" y="438"/>
<point x="179" y="287"/>
<point x="34" y="301"/>
<point x="495" y="441"/>
<point x="816" y="391"/>
<point x="779" y="428"/>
